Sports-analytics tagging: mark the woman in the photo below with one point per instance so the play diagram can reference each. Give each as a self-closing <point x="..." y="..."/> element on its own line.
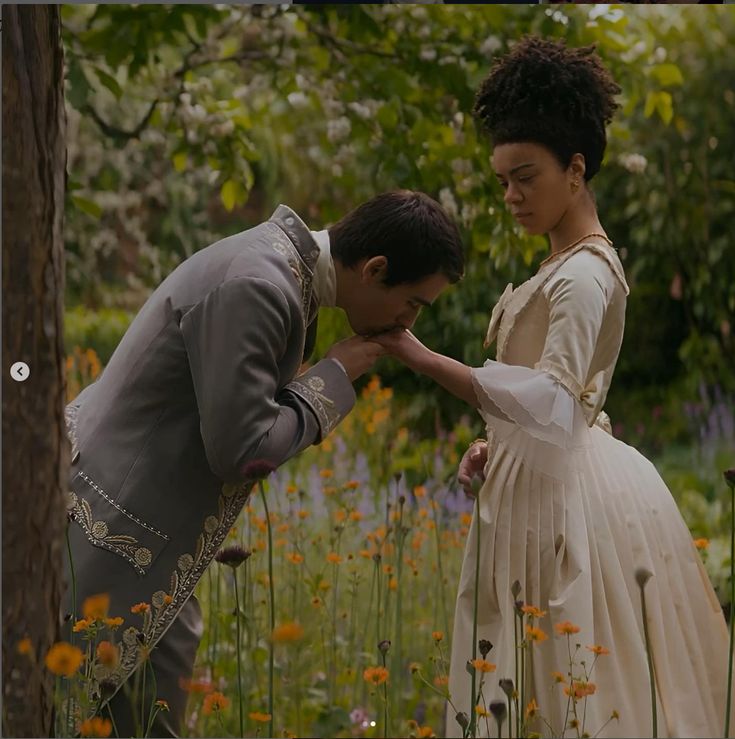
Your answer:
<point x="570" y="515"/>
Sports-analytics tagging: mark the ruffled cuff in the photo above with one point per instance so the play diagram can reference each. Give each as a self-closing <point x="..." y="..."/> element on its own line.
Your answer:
<point x="532" y="399"/>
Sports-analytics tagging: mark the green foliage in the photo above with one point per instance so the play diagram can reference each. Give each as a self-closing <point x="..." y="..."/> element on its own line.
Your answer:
<point x="98" y="330"/>
<point x="188" y="123"/>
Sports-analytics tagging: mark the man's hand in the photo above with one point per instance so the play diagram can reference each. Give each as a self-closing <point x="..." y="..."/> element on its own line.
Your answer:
<point x="357" y="355"/>
<point x="472" y="465"/>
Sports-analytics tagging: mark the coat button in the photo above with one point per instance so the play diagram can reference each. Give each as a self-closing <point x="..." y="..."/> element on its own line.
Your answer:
<point x="75" y="458"/>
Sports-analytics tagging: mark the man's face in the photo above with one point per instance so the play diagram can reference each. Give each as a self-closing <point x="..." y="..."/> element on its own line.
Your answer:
<point x="375" y="308"/>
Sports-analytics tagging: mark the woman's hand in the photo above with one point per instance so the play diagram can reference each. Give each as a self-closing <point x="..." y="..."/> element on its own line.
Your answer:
<point x="472" y="465"/>
<point x="403" y="345"/>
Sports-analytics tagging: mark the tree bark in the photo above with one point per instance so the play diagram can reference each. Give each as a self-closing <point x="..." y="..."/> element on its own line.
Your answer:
<point x="35" y="449"/>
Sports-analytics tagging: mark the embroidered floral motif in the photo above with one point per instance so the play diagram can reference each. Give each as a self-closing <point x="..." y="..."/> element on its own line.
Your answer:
<point x="70" y="416"/>
<point x="98" y="533"/>
<point x="304" y="276"/>
<point x="310" y="389"/>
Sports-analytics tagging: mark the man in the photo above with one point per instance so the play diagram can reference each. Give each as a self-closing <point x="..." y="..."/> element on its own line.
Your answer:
<point x="203" y="389"/>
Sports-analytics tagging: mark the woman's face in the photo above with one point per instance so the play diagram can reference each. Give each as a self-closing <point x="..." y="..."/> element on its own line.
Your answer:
<point x="538" y="190"/>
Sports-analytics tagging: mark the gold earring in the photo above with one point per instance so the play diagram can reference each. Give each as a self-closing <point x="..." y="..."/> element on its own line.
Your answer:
<point x="575" y="185"/>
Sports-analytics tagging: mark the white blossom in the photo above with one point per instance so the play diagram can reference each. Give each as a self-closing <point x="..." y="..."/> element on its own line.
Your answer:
<point x="634" y="163"/>
<point x="338" y="129"/>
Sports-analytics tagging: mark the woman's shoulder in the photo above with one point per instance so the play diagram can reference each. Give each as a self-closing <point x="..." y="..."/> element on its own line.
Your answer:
<point x="591" y="261"/>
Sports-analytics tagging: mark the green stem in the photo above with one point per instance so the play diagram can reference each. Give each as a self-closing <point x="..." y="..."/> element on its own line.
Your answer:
<point x="238" y="652"/>
<point x="272" y="608"/>
<point x="732" y="612"/>
<point x="473" y="715"/>
<point x="385" y="704"/>
<point x="651" y="676"/>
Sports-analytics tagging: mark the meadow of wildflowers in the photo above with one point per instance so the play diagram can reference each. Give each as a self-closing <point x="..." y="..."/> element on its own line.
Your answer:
<point x="328" y="610"/>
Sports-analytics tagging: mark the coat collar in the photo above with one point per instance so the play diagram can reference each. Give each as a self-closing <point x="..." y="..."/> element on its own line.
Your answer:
<point x="298" y="232"/>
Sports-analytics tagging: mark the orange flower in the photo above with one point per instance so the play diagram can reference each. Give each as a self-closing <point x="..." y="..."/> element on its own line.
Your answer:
<point x="96" y="726"/>
<point x="559" y="677"/>
<point x="531" y="708"/>
<point x="393" y="584"/>
<point x="566" y="627"/>
<point x="326" y="474"/>
<point x="95" y="607"/>
<point x="82" y="625"/>
<point x="425" y="732"/>
<point x="303" y="514"/>
<point x="580" y="689"/>
<point x="480" y="711"/>
<point x="64" y="659"/>
<point x="375" y="675"/>
<point x="195" y="686"/>
<point x="116" y="621"/>
<point x="107" y="654"/>
<point x="288" y="632"/>
<point x="334" y="558"/>
<point x="482" y="665"/>
<point x="295" y="557"/>
<point x="597" y="649"/>
<point x="352" y="485"/>
<point x="465" y="519"/>
<point x="355" y="516"/>
<point x="419" y="491"/>
<point x="214" y="702"/>
<point x="316" y="601"/>
<point x="291" y="489"/>
<point x="701" y="543"/>
<point x="534" y="634"/>
<point x="441" y="680"/>
<point x="140" y="608"/>
<point x="263" y="718"/>
<point x="437" y="636"/>
<point x="533" y="612"/>
<point x="24" y="646"/>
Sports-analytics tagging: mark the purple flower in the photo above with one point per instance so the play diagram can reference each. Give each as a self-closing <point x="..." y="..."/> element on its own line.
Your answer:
<point x="232" y="556"/>
<point x="257" y="469"/>
<point x="358" y="716"/>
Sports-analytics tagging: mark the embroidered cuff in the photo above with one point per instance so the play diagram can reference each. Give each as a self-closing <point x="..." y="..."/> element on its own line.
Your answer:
<point x="327" y="391"/>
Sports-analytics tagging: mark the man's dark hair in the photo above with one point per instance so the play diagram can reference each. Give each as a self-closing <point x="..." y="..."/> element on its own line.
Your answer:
<point x="546" y="93"/>
<point x="409" y="228"/>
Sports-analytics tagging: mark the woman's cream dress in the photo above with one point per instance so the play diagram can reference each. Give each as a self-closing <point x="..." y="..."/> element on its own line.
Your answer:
<point x="571" y="513"/>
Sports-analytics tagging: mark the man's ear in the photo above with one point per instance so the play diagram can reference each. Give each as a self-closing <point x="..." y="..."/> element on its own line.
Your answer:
<point x="374" y="269"/>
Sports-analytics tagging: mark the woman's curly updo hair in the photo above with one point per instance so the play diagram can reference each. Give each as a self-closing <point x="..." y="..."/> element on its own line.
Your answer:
<point x="546" y="93"/>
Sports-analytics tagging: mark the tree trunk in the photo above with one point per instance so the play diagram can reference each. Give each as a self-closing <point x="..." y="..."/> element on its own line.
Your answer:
<point x="35" y="450"/>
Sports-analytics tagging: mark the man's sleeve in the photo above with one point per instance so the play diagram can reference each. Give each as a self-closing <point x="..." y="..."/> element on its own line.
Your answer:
<point x="235" y="339"/>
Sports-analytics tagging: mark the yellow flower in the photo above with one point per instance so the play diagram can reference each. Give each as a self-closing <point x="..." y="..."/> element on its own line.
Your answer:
<point x="107" y="654"/>
<point x="534" y="634"/>
<point x="482" y="665"/>
<point x="214" y="702"/>
<point x="295" y="557"/>
<point x="288" y="632"/>
<point x="532" y="611"/>
<point x="95" y="607"/>
<point x="566" y="627"/>
<point x="96" y="726"/>
<point x="531" y="708"/>
<point x="480" y="711"/>
<point x="437" y="636"/>
<point x="263" y="718"/>
<point x="24" y="646"/>
<point x="597" y="649"/>
<point x="375" y="675"/>
<point x="64" y="659"/>
<point x="559" y="677"/>
<point x="701" y="543"/>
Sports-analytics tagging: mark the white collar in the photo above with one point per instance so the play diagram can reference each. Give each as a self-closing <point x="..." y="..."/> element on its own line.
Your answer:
<point x="325" y="278"/>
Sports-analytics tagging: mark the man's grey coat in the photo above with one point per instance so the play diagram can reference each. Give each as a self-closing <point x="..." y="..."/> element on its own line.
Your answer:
<point x="202" y="384"/>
